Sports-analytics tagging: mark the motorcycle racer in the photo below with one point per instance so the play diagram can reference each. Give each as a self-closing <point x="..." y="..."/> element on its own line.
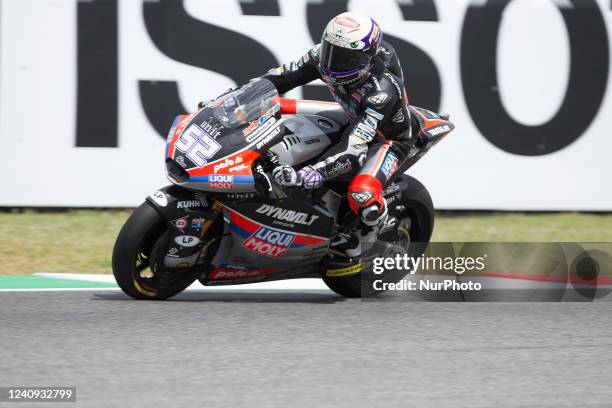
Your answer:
<point x="364" y="76"/>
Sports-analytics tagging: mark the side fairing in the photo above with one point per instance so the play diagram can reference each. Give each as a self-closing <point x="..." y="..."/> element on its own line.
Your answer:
<point x="277" y="236"/>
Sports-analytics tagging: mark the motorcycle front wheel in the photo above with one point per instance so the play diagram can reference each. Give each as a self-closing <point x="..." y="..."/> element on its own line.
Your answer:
<point x="138" y="258"/>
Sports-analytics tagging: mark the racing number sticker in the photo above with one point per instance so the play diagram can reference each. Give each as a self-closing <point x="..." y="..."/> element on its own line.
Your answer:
<point x="197" y="144"/>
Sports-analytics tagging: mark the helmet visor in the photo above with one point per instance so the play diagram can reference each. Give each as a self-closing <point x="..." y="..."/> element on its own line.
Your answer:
<point x="338" y="61"/>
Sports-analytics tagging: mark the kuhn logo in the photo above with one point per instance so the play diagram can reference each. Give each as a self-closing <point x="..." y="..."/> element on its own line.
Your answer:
<point x="283" y="214"/>
<point x="190" y="203"/>
<point x="228" y="163"/>
<point x="269" y="242"/>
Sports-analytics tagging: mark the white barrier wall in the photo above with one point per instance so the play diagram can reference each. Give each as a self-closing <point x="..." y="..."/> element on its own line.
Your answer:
<point x="87" y="88"/>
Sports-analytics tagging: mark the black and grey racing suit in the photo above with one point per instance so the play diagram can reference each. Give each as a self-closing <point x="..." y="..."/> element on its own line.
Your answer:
<point x="376" y="142"/>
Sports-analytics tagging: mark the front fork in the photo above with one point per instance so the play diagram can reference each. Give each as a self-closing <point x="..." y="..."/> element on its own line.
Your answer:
<point x="189" y="217"/>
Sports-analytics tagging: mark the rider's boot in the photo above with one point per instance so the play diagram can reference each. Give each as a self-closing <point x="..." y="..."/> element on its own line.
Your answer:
<point x="364" y="237"/>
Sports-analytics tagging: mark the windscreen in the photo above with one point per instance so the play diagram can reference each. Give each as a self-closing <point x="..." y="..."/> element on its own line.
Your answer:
<point x="245" y="104"/>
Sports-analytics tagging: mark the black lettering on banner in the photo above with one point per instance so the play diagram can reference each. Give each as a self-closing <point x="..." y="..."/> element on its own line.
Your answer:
<point x="586" y="86"/>
<point x="97" y="74"/>
<point x="421" y="76"/>
<point x="318" y="15"/>
<point x="419" y="10"/>
<point x="260" y="7"/>
<point x="186" y="39"/>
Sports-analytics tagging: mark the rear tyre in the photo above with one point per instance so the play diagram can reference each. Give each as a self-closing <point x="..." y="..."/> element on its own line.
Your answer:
<point x="415" y="226"/>
<point x="138" y="258"/>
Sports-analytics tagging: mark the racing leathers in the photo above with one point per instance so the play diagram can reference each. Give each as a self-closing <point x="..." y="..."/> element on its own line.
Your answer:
<point x="376" y="141"/>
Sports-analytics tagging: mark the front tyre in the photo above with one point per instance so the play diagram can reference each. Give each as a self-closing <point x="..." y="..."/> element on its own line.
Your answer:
<point x="415" y="225"/>
<point x="138" y="258"/>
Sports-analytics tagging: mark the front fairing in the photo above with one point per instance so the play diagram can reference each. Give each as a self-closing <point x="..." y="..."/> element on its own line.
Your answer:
<point x="212" y="151"/>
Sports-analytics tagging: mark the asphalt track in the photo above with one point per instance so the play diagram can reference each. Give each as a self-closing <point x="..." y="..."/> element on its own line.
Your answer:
<point x="305" y="349"/>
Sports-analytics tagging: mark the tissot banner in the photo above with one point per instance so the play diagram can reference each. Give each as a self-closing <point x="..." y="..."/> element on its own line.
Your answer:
<point x="89" y="90"/>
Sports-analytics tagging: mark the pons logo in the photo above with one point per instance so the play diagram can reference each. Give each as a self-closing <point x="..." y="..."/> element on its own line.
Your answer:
<point x="269" y="242"/>
<point x="228" y="163"/>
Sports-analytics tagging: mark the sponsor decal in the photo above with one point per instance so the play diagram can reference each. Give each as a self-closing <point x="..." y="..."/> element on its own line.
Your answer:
<point x="197" y="144"/>
<point x="439" y="129"/>
<point x="312" y="141"/>
<point x="268" y="138"/>
<point x="213" y="131"/>
<point x="160" y="198"/>
<point x="197" y="223"/>
<point x="227" y="163"/>
<point x="338" y="169"/>
<point x="181" y="161"/>
<point x="220" y="181"/>
<point x="378" y="99"/>
<point x="389" y="165"/>
<point x="172" y="252"/>
<point x="181" y="223"/>
<point x="190" y="204"/>
<point x="225" y="271"/>
<point x="399" y="116"/>
<point x="391" y="188"/>
<point x="262" y="119"/>
<point x="364" y="132"/>
<point x="350" y="270"/>
<point x="253" y="125"/>
<point x="337" y="38"/>
<point x="187" y="240"/>
<point x="238" y="168"/>
<point x="346" y="22"/>
<point x="374" y="114"/>
<point x="283" y="214"/>
<point x="371" y="122"/>
<point x="361" y="196"/>
<point x="260" y="130"/>
<point x="269" y="242"/>
<point x="183" y="265"/>
<point x="240" y="196"/>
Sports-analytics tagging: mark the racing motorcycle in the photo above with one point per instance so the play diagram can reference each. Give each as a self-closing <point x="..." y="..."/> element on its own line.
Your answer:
<point x="224" y="221"/>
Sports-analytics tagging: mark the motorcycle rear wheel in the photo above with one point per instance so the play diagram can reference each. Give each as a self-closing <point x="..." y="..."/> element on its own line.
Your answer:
<point x="416" y="219"/>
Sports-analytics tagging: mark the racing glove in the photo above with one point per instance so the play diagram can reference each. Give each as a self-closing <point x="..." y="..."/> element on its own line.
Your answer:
<point x="286" y="176"/>
<point x="311" y="178"/>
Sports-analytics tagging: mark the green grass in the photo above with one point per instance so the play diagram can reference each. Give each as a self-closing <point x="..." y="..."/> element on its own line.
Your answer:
<point x="82" y="241"/>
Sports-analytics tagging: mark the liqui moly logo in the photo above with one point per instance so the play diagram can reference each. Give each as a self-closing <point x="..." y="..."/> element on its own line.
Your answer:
<point x="220" y="181"/>
<point x="269" y="242"/>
